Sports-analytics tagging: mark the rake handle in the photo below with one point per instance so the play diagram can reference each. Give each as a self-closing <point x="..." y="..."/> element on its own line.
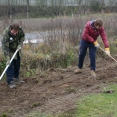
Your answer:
<point x="113" y="59"/>
<point x="108" y="55"/>
<point x="8" y="65"/>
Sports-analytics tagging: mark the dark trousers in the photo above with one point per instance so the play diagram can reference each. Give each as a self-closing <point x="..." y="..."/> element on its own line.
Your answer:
<point x="82" y="53"/>
<point x="13" y="70"/>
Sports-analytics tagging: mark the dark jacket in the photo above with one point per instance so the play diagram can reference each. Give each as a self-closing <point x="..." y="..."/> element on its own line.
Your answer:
<point x="10" y="42"/>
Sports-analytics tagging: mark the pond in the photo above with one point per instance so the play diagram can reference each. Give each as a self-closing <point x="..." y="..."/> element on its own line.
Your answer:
<point x="37" y="37"/>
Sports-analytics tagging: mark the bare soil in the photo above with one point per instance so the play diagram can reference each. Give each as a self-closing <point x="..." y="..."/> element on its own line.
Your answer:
<point x="56" y="90"/>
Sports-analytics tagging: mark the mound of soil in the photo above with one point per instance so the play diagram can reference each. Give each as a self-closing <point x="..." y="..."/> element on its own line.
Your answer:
<point x="56" y="90"/>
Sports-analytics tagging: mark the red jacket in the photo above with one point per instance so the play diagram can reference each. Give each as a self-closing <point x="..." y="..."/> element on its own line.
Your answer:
<point x="90" y="34"/>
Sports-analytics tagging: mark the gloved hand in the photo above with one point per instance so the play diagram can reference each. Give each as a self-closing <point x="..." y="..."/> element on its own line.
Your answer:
<point x="19" y="47"/>
<point x="107" y="51"/>
<point x="96" y="44"/>
<point x="8" y="61"/>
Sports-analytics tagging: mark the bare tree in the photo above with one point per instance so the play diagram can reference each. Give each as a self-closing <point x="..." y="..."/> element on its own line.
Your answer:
<point x="79" y="3"/>
<point x="102" y="5"/>
<point x="28" y="8"/>
<point x="42" y="2"/>
<point x="52" y="2"/>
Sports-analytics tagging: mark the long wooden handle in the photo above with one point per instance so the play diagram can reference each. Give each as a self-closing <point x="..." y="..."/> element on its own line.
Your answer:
<point x="108" y="55"/>
<point x="8" y="65"/>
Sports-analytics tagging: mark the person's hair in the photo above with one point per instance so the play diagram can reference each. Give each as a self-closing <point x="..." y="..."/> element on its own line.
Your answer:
<point x="98" y="22"/>
<point x="14" y="26"/>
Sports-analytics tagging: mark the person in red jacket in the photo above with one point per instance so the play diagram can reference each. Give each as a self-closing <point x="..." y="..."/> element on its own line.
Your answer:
<point x="90" y="34"/>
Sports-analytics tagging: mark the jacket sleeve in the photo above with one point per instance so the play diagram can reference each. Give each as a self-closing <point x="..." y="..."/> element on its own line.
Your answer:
<point x="87" y="34"/>
<point x="22" y="37"/>
<point x="5" y="43"/>
<point x="104" y="37"/>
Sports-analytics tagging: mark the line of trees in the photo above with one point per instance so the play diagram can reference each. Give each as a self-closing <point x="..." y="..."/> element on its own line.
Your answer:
<point x="51" y="8"/>
<point x="58" y="2"/>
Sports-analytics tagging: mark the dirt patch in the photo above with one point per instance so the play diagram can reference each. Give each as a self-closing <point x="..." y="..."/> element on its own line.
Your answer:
<point x="57" y="90"/>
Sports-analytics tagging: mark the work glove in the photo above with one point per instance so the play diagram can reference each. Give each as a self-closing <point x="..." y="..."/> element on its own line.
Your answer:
<point x="96" y="44"/>
<point x="19" y="47"/>
<point x="107" y="51"/>
<point x="8" y="61"/>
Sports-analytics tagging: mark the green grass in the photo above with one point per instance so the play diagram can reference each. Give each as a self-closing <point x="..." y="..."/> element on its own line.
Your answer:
<point x="98" y="105"/>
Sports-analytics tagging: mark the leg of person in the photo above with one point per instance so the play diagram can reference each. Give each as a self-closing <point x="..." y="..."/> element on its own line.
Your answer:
<point x="82" y="53"/>
<point x="17" y="69"/>
<point x="92" y="55"/>
<point x="9" y="76"/>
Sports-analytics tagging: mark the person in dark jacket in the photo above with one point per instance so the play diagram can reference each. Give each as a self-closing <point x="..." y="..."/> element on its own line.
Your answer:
<point x="13" y="37"/>
<point x="90" y="34"/>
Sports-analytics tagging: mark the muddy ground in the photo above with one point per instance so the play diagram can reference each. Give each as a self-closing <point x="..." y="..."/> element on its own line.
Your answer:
<point x="56" y="90"/>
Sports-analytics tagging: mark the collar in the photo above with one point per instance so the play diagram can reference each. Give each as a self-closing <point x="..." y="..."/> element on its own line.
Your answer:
<point x="92" y="24"/>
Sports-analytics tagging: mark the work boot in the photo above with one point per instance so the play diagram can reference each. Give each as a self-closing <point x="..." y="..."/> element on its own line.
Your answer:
<point x="93" y="73"/>
<point x="17" y="80"/>
<point x="77" y="71"/>
<point x="11" y="84"/>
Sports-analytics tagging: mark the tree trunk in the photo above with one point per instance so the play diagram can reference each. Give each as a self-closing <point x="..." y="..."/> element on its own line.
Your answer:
<point x="27" y="8"/>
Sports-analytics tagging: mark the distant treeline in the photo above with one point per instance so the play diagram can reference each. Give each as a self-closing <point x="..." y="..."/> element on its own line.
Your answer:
<point x="46" y="11"/>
